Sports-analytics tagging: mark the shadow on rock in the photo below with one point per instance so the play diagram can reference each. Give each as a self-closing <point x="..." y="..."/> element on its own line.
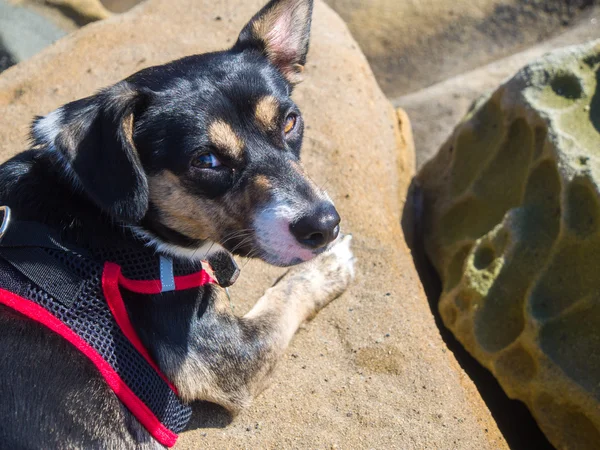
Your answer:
<point x="514" y="420"/>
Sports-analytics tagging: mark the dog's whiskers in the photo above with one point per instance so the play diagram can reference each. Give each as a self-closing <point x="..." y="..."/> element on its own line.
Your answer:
<point x="242" y="243"/>
<point x="236" y="235"/>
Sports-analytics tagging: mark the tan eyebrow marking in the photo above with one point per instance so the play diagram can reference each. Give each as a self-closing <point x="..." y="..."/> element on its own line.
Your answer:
<point x="222" y="136"/>
<point x="266" y="112"/>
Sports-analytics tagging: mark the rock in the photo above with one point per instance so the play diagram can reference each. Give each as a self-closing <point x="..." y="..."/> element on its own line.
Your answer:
<point x="414" y="44"/>
<point x="119" y="6"/>
<point x="6" y="58"/>
<point x="86" y="11"/>
<point x="437" y="109"/>
<point x="511" y="222"/>
<point x="23" y="33"/>
<point x="405" y="390"/>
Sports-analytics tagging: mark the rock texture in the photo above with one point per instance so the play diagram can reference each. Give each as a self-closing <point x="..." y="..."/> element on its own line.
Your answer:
<point x="511" y="218"/>
<point x="414" y="44"/>
<point x="23" y="33"/>
<point x="119" y="6"/>
<point x="436" y="110"/>
<point x="371" y="371"/>
<point x="86" y="10"/>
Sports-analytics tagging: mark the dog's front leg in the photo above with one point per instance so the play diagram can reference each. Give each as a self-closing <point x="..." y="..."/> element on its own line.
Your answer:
<point x="302" y="292"/>
<point x="231" y="358"/>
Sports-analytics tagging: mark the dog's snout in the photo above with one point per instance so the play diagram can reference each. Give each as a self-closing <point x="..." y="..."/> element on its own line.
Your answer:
<point x="318" y="228"/>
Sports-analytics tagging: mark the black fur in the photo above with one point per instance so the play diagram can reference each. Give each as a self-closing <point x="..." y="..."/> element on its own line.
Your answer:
<point x="88" y="177"/>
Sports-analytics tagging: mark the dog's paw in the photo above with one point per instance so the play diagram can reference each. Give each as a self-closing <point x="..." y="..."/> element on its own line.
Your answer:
<point x="326" y="277"/>
<point x="343" y="255"/>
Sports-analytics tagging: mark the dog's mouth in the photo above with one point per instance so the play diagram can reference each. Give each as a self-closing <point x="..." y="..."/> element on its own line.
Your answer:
<point x="286" y="236"/>
<point x="277" y="255"/>
<point x="277" y="259"/>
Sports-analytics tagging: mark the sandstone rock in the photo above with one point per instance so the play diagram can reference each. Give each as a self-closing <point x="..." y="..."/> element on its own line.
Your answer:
<point x="436" y="110"/>
<point x="511" y="219"/>
<point x="414" y="44"/>
<point x="371" y="371"/>
<point x="85" y="10"/>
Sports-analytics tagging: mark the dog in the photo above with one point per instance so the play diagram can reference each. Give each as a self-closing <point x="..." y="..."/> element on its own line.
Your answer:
<point x="191" y="161"/>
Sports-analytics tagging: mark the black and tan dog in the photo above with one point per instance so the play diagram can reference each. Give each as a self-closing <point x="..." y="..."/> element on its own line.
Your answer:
<point x="196" y="156"/>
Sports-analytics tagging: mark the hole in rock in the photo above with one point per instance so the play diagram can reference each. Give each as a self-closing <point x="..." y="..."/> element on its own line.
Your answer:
<point x="567" y="85"/>
<point x="484" y="256"/>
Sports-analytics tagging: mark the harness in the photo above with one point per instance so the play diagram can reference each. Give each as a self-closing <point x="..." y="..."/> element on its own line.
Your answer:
<point x="77" y="293"/>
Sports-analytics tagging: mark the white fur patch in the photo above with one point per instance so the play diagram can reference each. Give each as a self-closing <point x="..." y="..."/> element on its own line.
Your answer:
<point x="342" y="251"/>
<point x="47" y="128"/>
<point x="277" y="244"/>
<point x="203" y="252"/>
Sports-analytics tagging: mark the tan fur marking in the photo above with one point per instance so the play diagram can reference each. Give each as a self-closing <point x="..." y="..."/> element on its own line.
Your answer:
<point x="179" y="210"/>
<point x="195" y="216"/>
<point x="262" y="183"/>
<point x="128" y="129"/>
<point x="222" y="135"/>
<point x="267" y="110"/>
<point x="260" y="191"/>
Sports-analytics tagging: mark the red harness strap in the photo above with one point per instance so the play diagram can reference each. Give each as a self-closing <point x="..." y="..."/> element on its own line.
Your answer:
<point x="137" y="407"/>
<point x="112" y="280"/>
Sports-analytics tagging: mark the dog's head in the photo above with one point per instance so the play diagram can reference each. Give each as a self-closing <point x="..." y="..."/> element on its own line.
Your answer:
<point x="205" y="150"/>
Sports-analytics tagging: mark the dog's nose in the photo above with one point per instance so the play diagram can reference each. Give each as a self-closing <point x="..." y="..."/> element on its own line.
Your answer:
<point x="319" y="228"/>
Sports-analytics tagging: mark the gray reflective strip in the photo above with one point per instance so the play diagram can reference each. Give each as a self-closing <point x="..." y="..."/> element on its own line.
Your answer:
<point x="167" y="278"/>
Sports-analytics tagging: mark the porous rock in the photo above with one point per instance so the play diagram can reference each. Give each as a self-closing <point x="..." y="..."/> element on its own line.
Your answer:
<point x="371" y="370"/>
<point x="511" y="217"/>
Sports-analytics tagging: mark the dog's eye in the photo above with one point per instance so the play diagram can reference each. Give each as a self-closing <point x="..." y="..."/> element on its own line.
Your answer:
<point x="290" y="123"/>
<point x="206" y="160"/>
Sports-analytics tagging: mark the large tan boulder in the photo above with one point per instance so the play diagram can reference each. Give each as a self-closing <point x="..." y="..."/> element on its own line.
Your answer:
<point x="414" y="44"/>
<point x="511" y="222"/>
<point x="371" y="371"/>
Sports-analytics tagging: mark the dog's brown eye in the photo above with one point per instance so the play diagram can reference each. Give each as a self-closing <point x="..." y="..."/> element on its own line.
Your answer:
<point x="205" y="160"/>
<point x="290" y="123"/>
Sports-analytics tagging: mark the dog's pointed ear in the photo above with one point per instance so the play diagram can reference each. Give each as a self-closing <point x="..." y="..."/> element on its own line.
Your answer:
<point x="281" y="30"/>
<point x="94" y="136"/>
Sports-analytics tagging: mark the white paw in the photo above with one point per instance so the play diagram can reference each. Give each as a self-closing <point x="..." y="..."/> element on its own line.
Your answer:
<point x="324" y="278"/>
<point x="343" y="254"/>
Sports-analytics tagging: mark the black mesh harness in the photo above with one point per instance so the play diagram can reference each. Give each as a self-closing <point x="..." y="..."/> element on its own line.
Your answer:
<point x="77" y="294"/>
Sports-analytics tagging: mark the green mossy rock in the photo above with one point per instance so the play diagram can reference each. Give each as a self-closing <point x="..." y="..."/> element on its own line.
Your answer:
<point x="511" y="222"/>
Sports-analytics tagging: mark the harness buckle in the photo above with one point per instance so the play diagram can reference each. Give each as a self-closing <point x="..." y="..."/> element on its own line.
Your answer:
<point x="5" y="220"/>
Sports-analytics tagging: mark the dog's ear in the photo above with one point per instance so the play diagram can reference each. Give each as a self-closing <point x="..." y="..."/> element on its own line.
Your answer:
<point x="94" y="135"/>
<point x="281" y="30"/>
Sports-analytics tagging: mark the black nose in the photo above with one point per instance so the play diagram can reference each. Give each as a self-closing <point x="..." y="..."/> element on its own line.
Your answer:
<point x="319" y="228"/>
